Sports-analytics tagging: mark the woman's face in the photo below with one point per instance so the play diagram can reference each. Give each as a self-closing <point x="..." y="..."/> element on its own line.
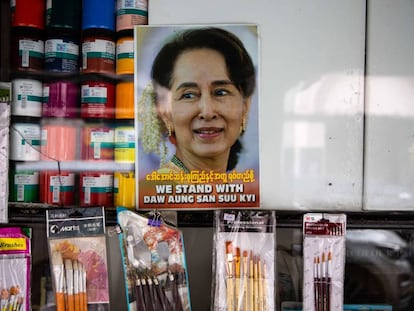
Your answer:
<point x="206" y="109"/>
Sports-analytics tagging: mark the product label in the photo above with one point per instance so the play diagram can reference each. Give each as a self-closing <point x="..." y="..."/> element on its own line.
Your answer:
<point x="61" y="49"/>
<point x="31" y="48"/>
<point x="94" y="94"/>
<point x="125" y="50"/>
<point x="13" y="244"/>
<point x="122" y="5"/>
<point x="99" y="49"/>
<point x="28" y="93"/>
<point x="104" y="137"/>
<point x="26" y="178"/>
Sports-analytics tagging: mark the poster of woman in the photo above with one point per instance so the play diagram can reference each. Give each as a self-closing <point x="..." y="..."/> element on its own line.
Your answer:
<point x="197" y="107"/>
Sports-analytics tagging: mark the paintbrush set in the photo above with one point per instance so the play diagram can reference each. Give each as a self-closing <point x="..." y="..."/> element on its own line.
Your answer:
<point x="324" y="261"/>
<point x="244" y="257"/>
<point x="154" y="263"/>
<point x="78" y="258"/>
<point x="15" y="265"/>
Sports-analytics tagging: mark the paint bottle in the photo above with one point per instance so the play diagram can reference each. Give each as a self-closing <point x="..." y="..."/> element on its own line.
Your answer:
<point x="26" y="97"/>
<point x="28" y="13"/>
<point x="61" y="99"/>
<point x="59" y="140"/>
<point x="97" y="142"/>
<point x="63" y="14"/>
<point x="124" y="151"/>
<point x="98" y="14"/>
<point x="124" y="100"/>
<point x="98" y="99"/>
<point x="131" y="13"/>
<point x="57" y="188"/>
<point x="24" y="186"/>
<point x="27" y="49"/>
<point x="61" y="52"/>
<point x="25" y="140"/>
<point x="98" y="52"/>
<point x="96" y="189"/>
<point x="124" y="189"/>
<point x="125" y="55"/>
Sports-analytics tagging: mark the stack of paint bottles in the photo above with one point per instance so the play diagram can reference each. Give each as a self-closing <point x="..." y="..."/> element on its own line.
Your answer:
<point x="128" y="14"/>
<point x="27" y="53"/>
<point x="97" y="99"/>
<point x="73" y="86"/>
<point x="60" y="106"/>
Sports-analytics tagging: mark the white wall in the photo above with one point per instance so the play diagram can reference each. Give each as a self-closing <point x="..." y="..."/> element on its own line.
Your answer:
<point x="389" y="139"/>
<point x="311" y="94"/>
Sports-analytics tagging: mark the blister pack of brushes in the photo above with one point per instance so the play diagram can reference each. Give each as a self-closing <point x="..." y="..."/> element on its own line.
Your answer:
<point x="78" y="258"/>
<point x="324" y="261"/>
<point x="154" y="263"/>
<point x="244" y="260"/>
<point x="5" y="98"/>
<point x="15" y="267"/>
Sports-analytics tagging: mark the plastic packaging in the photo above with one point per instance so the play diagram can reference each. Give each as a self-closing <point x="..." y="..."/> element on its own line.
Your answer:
<point x="5" y="97"/>
<point x="15" y="265"/>
<point x="324" y="261"/>
<point x="243" y="264"/>
<point x="154" y="263"/>
<point x="78" y="258"/>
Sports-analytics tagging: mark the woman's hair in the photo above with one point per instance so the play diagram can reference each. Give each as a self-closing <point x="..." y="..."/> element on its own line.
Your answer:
<point x="240" y="67"/>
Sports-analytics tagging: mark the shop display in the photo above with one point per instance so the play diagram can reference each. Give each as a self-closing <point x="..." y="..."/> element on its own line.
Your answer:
<point x="154" y="263"/>
<point x="78" y="258"/>
<point x="15" y="267"/>
<point x="324" y="261"/>
<point x="243" y="261"/>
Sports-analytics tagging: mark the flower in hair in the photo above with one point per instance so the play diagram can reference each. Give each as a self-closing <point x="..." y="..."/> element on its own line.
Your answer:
<point x="151" y="133"/>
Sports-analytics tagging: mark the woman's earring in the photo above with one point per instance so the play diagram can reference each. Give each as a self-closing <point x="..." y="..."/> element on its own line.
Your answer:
<point x="169" y="129"/>
<point x="243" y="126"/>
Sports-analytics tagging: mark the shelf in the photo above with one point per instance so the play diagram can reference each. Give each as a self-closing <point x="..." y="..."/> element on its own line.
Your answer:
<point x="76" y="166"/>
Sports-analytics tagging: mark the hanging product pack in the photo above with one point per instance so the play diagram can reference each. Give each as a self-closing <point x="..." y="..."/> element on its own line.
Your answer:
<point x="78" y="258"/>
<point x="324" y="261"/>
<point x="5" y="97"/>
<point x="244" y="260"/>
<point x="154" y="263"/>
<point x="15" y="265"/>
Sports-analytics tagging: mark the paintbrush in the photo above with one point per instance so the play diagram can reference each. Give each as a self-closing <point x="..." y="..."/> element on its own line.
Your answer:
<point x="70" y="301"/>
<point x="229" y="277"/>
<point x="251" y="283"/>
<point x="328" y="281"/>
<point x="84" y="292"/>
<point x="59" y="280"/>
<point x="244" y="281"/>
<point x="4" y="299"/>
<point x="265" y="285"/>
<point x="76" y="280"/>
<point x="237" y="278"/>
<point x="260" y="281"/>
<point x="139" y="293"/>
<point x="256" y="284"/>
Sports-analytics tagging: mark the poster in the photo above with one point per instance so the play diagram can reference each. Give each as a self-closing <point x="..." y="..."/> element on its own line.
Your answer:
<point x="196" y="115"/>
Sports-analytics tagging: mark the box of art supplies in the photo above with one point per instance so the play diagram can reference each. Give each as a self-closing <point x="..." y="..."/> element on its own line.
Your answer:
<point x="244" y="248"/>
<point x="324" y="261"/>
<point x="15" y="265"/>
<point x="5" y="97"/>
<point x="367" y="307"/>
<point x="154" y="262"/>
<point x="78" y="258"/>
